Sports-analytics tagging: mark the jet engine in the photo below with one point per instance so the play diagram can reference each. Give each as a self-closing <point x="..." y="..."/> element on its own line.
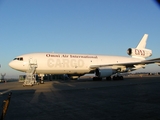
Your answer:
<point x="104" y="72"/>
<point x="139" y="52"/>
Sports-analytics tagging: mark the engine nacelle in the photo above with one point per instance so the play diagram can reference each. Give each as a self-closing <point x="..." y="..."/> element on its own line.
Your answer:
<point x="104" y="72"/>
<point x="139" y="52"/>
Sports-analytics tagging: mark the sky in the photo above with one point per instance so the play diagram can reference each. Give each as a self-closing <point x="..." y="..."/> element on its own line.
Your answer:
<point x="105" y="27"/>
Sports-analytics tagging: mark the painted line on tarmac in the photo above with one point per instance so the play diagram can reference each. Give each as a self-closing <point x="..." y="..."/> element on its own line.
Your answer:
<point x="1" y="93"/>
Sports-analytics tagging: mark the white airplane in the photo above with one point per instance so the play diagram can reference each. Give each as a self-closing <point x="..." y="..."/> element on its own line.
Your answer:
<point x="76" y="65"/>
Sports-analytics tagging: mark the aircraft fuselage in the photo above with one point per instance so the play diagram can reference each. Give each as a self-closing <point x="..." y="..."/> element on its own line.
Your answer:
<point x="58" y="63"/>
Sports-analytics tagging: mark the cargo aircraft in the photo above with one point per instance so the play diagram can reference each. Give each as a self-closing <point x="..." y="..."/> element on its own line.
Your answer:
<point x="76" y="65"/>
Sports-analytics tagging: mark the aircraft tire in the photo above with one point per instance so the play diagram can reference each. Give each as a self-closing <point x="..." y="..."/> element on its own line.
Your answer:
<point x="121" y="77"/>
<point x="108" y="78"/>
<point x="114" y="78"/>
<point x="117" y="77"/>
<point x="97" y="78"/>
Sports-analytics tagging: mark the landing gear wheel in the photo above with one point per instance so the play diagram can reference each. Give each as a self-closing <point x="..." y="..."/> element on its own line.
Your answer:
<point x="97" y="78"/>
<point x="108" y="78"/>
<point x="121" y="77"/>
<point x="114" y="78"/>
<point x="117" y="77"/>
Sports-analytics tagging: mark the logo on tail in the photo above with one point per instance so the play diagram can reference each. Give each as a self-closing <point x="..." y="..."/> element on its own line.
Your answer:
<point x="140" y="51"/>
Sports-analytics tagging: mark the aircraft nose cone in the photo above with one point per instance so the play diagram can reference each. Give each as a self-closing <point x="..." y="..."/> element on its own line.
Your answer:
<point x="11" y="64"/>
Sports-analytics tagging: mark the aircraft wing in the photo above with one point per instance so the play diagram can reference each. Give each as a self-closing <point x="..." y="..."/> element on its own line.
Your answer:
<point x="130" y="64"/>
<point x="155" y="60"/>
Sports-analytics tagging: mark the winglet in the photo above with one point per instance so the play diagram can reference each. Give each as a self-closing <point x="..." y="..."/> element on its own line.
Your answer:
<point x="142" y="43"/>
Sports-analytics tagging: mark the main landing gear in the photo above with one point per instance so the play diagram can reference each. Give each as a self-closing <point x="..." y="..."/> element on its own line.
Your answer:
<point x="115" y="77"/>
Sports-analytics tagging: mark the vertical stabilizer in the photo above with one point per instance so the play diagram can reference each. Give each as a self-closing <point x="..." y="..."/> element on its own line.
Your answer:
<point x="142" y="43"/>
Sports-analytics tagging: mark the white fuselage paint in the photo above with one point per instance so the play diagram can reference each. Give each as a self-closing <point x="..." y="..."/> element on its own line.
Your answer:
<point x="65" y="63"/>
<point x="58" y="63"/>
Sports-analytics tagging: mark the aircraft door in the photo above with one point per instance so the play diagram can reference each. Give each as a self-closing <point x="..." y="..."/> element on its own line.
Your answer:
<point x="32" y="61"/>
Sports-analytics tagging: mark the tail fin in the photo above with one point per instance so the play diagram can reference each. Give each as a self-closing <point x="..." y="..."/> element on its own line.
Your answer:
<point x="140" y="51"/>
<point x="142" y="43"/>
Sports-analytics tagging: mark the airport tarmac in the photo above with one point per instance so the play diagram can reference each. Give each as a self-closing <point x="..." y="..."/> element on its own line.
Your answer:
<point x="134" y="98"/>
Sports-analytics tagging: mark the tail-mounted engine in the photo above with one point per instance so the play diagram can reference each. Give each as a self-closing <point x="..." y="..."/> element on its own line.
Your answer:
<point x="139" y="52"/>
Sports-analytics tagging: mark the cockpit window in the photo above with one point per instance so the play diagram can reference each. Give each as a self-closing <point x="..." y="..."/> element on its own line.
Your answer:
<point x="20" y="59"/>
